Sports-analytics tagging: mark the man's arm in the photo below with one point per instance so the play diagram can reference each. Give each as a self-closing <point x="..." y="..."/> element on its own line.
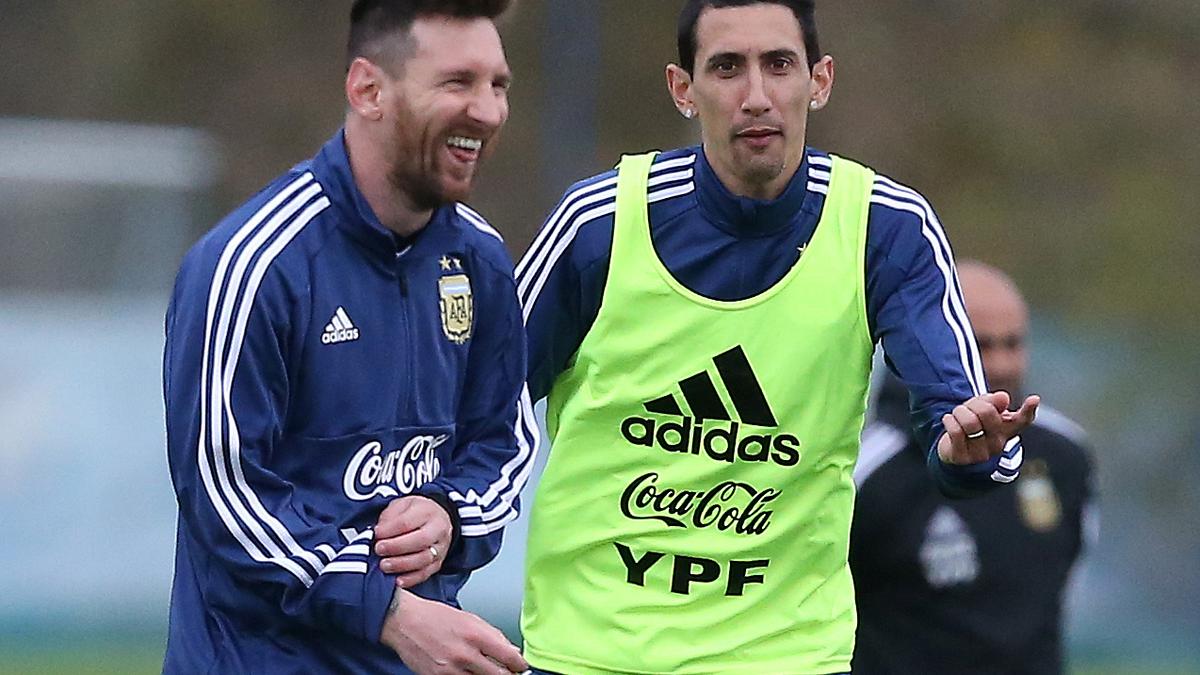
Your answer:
<point x="478" y="492"/>
<point x="226" y="393"/>
<point x="560" y="279"/>
<point x="919" y="316"/>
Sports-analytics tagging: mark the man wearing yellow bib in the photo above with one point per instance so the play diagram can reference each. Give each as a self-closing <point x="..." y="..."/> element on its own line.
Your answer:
<point x="702" y="321"/>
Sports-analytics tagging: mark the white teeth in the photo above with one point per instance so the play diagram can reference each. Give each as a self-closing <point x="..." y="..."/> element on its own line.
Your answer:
<point x="464" y="143"/>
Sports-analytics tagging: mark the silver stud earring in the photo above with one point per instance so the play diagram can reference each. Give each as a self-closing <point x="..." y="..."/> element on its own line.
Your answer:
<point x="688" y="113"/>
<point x="814" y="105"/>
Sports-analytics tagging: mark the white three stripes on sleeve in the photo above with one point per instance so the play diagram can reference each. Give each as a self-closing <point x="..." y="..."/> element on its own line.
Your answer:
<point x="554" y="222"/>
<point x="893" y="195"/>
<point x="599" y="199"/>
<point x="232" y="496"/>
<point x="501" y="494"/>
<point x="483" y="514"/>
<point x="1009" y="466"/>
<point x="486" y="513"/>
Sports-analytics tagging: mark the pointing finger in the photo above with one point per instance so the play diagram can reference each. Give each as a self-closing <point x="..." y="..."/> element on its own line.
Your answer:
<point x="1024" y="417"/>
<point x="1000" y="400"/>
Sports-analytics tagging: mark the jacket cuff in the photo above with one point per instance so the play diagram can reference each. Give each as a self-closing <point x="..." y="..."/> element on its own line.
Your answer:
<point x="434" y="494"/>
<point x="377" y="596"/>
<point x="960" y="481"/>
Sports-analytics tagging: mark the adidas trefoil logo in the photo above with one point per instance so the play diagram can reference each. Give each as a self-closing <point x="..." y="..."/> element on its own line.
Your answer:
<point x="722" y="442"/>
<point x="339" y="329"/>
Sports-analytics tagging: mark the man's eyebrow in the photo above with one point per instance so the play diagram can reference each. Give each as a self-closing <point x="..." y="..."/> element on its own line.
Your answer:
<point x="783" y="52"/>
<point x="724" y="56"/>
<point x="504" y="77"/>
<point x="457" y="74"/>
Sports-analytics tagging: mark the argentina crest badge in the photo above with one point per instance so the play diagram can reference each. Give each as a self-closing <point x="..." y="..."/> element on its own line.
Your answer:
<point x="1041" y="508"/>
<point x="457" y="304"/>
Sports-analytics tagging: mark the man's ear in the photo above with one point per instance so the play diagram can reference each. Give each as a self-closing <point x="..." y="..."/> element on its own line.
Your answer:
<point x="679" y="84"/>
<point x="822" y="82"/>
<point x="364" y="89"/>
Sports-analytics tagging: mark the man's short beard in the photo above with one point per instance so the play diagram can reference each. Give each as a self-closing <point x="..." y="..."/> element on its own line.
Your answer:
<point x="762" y="173"/>
<point x="423" y="192"/>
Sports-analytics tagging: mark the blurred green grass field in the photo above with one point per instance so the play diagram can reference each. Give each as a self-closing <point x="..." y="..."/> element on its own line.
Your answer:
<point x="98" y="660"/>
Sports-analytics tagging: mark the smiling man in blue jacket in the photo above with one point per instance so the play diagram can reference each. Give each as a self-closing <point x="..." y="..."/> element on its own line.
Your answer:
<point x="343" y="368"/>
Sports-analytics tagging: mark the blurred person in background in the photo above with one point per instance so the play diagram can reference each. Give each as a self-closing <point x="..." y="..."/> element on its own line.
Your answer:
<point x="969" y="586"/>
<point x="344" y="360"/>
<point x="703" y="320"/>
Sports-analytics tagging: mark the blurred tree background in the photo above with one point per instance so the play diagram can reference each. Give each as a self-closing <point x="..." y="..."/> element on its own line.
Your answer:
<point x="1052" y="137"/>
<point x="1058" y="140"/>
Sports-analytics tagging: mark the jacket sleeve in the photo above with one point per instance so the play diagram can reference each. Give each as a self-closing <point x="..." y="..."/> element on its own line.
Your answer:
<point x="560" y="279"/>
<point x="226" y="385"/>
<point x="920" y="319"/>
<point x="494" y="455"/>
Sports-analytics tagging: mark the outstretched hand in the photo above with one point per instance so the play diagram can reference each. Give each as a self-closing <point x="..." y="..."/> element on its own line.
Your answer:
<point x="963" y="442"/>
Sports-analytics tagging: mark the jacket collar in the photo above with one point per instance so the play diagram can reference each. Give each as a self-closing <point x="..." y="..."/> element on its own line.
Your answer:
<point x="744" y="216"/>
<point x="332" y="166"/>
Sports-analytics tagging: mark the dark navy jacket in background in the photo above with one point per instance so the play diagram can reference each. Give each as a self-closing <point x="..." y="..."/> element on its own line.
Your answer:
<point x="978" y="586"/>
<point x="315" y="369"/>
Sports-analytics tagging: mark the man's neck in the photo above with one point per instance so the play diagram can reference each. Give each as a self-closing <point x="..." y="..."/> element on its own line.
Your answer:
<point x="391" y="206"/>
<point x="762" y="191"/>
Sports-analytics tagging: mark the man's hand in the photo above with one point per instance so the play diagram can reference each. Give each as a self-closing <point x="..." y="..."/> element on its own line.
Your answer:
<point x="435" y="639"/>
<point x="963" y="442"/>
<point x="412" y="537"/>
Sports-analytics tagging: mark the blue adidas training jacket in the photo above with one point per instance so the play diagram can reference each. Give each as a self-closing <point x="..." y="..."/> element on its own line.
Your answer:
<point x="316" y="368"/>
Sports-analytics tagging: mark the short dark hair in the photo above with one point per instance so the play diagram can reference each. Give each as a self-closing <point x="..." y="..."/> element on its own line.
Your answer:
<point x="689" y="16"/>
<point x="374" y="21"/>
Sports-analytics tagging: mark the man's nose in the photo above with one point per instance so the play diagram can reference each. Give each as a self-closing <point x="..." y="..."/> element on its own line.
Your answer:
<point x="756" y="102"/>
<point x="489" y="108"/>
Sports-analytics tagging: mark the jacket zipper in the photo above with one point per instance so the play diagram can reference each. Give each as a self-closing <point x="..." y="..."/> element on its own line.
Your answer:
<point x="407" y="346"/>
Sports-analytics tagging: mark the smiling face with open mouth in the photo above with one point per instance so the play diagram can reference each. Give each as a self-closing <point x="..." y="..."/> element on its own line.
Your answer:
<point x="449" y="102"/>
